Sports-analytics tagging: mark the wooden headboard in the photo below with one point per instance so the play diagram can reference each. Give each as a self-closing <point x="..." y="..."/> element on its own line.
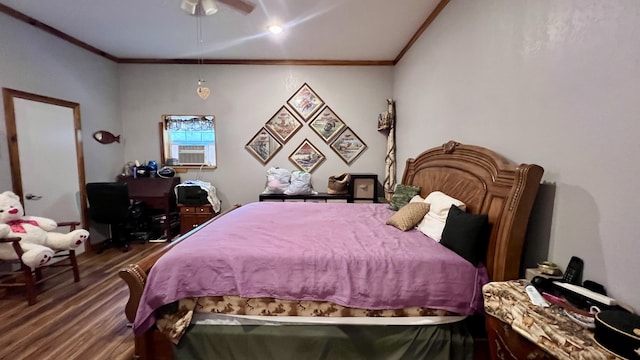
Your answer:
<point x="488" y="184"/>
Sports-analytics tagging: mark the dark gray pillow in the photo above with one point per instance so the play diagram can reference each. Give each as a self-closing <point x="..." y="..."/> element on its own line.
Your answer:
<point x="466" y="234"/>
<point x="403" y="195"/>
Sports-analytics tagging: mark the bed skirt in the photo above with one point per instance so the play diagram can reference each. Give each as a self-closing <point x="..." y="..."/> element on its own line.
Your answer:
<point x="447" y="341"/>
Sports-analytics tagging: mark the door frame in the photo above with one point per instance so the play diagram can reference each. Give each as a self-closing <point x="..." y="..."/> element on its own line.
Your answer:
<point x="8" y="95"/>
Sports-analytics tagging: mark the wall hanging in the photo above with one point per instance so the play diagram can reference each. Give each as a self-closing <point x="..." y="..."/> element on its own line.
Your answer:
<point x="305" y="102"/>
<point x="307" y="157"/>
<point x="263" y="146"/>
<point x="283" y="124"/>
<point x="105" y="137"/>
<point x="327" y="124"/>
<point x="348" y="146"/>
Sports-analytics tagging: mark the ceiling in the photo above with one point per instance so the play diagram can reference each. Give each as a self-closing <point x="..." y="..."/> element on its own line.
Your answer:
<point x="375" y="31"/>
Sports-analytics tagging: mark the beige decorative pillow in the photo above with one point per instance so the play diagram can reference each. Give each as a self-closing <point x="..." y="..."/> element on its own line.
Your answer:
<point x="409" y="216"/>
<point x="433" y="223"/>
<point x="416" y="198"/>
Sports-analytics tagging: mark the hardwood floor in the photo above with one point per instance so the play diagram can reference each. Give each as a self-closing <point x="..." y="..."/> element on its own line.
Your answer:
<point x="83" y="320"/>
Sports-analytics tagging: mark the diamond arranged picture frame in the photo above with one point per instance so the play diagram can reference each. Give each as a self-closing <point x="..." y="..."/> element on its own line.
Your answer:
<point x="307" y="157"/>
<point x="348" y="146"/>
<point x="327" y="124"/>
<point x="283" y="124"/>
<point x="305" y="102"/>
<point x="263" y="146"/>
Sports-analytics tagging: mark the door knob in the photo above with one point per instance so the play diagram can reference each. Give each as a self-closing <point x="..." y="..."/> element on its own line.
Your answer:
<point x="32" y="197"/>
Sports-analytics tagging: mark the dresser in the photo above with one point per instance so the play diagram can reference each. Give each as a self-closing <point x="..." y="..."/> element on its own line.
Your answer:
<point x="192" y="216"/>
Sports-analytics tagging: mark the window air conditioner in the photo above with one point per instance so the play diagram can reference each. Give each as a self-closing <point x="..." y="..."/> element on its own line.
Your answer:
<point x="191" y="154"/>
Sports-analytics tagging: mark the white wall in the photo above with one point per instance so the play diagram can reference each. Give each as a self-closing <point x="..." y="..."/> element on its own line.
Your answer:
<point x="547" y="82"/>
<point x="36" y="62"/>
<point x="243" y="98"/>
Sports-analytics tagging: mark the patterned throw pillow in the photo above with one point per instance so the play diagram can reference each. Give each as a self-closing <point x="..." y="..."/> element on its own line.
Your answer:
<point x="403" y="195"/>
<point x="409" y="216"/>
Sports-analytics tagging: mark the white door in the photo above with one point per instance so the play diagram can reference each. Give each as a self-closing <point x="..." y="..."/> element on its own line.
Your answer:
<point x="51" y="177"/>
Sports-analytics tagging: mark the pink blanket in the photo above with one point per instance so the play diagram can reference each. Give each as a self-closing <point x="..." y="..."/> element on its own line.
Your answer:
<point x="338" y="252"/>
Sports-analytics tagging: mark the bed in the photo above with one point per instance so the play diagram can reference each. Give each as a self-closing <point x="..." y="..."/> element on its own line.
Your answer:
<point x="485" y="181"/>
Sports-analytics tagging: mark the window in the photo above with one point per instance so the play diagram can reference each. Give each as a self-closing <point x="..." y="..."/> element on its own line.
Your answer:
<point x="188" y="140"/>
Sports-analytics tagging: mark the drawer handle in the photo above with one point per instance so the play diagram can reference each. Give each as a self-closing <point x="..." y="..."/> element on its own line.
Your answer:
<point x="194" y="225"/>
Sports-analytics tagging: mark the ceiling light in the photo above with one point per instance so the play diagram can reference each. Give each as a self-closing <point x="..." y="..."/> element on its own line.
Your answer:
<point x="275" y="29"/>
<point x="208" y="7"/>
<point x="189" y="6"/>
<point x="199" y="7"/>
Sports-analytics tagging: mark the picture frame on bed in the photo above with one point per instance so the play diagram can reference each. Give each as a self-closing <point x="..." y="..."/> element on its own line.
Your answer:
<point x="306" y="156"/>
<point x="263" y="146"/>
<point x="348" y="146"/>
<point x="305" y="102"/>
<point x="283" y="124"/>
<point x="327" y="124"/>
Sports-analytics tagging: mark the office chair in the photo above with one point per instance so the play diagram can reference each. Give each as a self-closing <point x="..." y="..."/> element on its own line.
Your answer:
<point x="31" y="278"/>
<point x="109" y="203"/>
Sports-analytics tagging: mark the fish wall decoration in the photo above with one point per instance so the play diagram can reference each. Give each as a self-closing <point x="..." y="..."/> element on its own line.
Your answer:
<point x="105" y="137"/>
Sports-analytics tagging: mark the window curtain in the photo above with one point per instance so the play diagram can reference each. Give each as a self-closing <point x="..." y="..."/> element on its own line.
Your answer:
<point x="186" y="123"/>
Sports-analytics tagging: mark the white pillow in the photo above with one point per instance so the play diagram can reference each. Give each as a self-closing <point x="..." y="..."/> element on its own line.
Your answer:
<point x="433" y="223"/>
<point x="416" y="198"/>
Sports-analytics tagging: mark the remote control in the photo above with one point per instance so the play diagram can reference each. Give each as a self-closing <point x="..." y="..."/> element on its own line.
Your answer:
<point x="535" y="296"/>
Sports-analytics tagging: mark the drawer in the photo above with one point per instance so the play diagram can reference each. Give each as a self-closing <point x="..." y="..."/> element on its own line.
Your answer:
<point x="204" y="209"/>
<point x="364" y="188"/>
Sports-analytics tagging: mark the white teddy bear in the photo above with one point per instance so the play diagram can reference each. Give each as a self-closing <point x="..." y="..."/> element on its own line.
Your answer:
<point x="37" y="239"/>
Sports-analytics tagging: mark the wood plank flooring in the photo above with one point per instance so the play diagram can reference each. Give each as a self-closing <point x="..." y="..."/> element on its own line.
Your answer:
<point x="83" y="320"/>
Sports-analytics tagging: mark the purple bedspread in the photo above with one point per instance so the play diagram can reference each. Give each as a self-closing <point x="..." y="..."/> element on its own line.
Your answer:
<point x="338" y="252"/>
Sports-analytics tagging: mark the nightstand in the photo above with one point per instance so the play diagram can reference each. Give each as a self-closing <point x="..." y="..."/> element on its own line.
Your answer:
<point x="192" y="216"/>
<point x="518" y="329"/>
<point x="363" y="188"/>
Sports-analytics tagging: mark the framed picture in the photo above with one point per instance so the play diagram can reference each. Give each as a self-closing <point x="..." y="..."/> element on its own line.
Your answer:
<point x="305" y="102"/>
<point x="283" y="124"/>
<point x="263" y="146"/>
<point x="327" y="124"/>
<point x="348" y="146"/>
<point x="307" y="157"/>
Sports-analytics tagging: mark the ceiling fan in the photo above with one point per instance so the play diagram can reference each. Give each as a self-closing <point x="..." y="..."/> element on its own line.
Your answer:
<point x="209" y="7"/>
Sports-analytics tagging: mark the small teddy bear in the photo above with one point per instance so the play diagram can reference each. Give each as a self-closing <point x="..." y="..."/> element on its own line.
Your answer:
<point x="38" y="241"/>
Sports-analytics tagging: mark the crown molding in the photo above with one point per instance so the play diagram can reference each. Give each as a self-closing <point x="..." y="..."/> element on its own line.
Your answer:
<point x="55" y="32"/>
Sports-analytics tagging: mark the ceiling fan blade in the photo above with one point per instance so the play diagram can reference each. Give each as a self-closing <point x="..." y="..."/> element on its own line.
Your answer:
<point x="240" y="5"/>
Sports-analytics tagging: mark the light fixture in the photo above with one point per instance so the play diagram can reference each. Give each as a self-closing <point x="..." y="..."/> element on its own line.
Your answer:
<point x="208" y="7"/>
<point x="189" y="6"/>
<point x="201" y="90"/>
<point x="199" y="7"/>
<point x="275" y="29"/>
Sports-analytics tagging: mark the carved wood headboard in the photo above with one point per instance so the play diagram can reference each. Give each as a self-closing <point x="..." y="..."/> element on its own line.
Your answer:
<point x="488" y="184"/>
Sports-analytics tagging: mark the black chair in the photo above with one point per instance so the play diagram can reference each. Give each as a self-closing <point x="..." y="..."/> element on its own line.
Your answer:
<point x="109" y="203"/>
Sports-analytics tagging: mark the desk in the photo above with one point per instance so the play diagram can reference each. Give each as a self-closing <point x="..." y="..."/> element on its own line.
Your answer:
<point x="156" y="193"/>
